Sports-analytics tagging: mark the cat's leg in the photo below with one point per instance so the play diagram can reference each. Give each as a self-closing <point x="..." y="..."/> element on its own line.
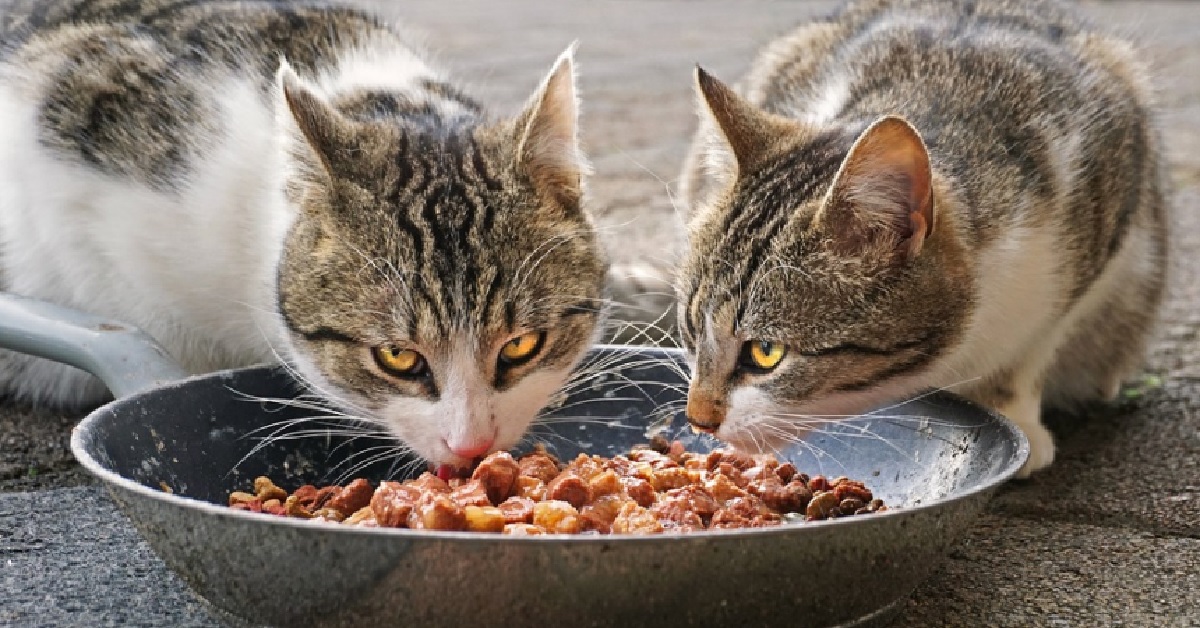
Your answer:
<point x="1017" y="394"/>
<point x="1025" y="409"/>
<point x="1107" y="343"/>
<point x="1104" y="351"/>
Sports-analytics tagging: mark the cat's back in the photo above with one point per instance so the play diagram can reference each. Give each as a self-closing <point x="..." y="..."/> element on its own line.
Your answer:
<point x="941" y="61"/>
<point x="1024" y="97"/>
<point x="141" y="169"/>
<point x="199" y="32"/>
<point x="139" y="90"/>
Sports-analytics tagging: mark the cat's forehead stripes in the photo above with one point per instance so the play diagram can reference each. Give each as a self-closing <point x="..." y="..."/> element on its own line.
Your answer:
<point x="782" y="191"/>
<point x="447" y="201"/>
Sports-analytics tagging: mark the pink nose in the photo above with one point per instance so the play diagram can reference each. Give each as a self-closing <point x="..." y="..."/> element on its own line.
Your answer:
<point x="472" y="449"/>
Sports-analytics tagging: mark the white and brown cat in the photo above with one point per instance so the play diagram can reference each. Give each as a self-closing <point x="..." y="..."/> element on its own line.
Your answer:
<point x="918" y="194"/>
<point x="419" y="264"/>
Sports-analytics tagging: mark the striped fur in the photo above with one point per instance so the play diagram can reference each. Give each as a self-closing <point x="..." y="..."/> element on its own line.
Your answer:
<point x="1026" y="269"/>
<point x="249" y="180"/>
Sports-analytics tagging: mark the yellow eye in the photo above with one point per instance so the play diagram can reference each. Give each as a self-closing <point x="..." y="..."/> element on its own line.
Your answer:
<point x="521" y="348"/>
<point x="762" y="355"/>
<point x="399" y="362"/>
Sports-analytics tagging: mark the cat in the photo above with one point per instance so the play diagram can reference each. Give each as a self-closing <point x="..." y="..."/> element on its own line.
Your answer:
<point x="920" y="194"/>
<point x="252" y="181"/>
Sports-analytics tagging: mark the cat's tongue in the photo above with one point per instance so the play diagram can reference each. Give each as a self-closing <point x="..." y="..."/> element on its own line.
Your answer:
<point x="448" y="472"/>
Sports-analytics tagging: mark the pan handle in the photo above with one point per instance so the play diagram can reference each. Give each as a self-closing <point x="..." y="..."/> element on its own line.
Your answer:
<point x="125" y="358"/>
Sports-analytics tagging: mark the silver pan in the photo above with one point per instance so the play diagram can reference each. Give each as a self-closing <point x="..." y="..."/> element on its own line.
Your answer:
<point x="936" y="459"/>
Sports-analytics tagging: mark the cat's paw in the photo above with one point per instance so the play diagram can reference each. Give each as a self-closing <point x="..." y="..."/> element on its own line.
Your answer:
<point x="1041" y="449"/>
<point x="1025" y="411"/>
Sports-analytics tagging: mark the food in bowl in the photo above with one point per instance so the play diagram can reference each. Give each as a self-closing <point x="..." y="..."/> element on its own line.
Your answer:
<point x="657" y="488"/>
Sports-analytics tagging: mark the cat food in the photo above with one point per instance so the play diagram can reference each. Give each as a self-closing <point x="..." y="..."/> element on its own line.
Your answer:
<point x="654" y="489"/>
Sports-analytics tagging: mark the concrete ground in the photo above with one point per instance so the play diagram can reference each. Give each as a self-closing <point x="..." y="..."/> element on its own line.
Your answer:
<point x="1110" y="536"/>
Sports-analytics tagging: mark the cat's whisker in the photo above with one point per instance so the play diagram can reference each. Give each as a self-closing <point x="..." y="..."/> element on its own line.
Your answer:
<point x="786" y="436"/>
<point x="858" y="431"/>
<point x="385" y="452"/>
<point x="614" y="423"/>
<point x="520" y="276"/>
<point x="303" y="402"/>
<point x="622" y="383"/>
<point x="545" y="434"/>
<point x="579" y="402"/>
<point x="667" y="187"/>
<point x="407" y="470"/>
<point x="307" y="382"/>
<point x="642" y="331"/>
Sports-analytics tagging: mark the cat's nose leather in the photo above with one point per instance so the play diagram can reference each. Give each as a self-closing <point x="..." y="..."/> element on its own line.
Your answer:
<point x="471" y="449"/>
<point x="704" y="412"/>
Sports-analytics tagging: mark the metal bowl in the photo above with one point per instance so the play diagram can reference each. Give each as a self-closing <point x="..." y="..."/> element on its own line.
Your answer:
<point x="171" y="453"/>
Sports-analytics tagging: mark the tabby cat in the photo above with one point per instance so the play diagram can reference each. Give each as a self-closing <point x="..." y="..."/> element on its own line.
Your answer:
<point x="916" y="194"/>
<point x="252" y="179"/>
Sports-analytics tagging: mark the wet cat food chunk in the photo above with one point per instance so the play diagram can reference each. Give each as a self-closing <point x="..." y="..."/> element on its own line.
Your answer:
<point x="659" y="488"/>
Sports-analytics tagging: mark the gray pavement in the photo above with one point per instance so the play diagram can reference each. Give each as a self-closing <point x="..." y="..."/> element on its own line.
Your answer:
<point x="1110" y="536"/>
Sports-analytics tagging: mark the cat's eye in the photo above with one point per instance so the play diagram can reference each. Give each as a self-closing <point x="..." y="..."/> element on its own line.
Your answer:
<point x="522" y="348"/>
<point x="400" y="362"/>
<point x="762" y="355"/>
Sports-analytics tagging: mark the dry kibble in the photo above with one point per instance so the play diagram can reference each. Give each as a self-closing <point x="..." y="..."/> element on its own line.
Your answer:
<point x="362" y="516"/>
<point x="850" y="505"/>
<point x="266" y="490"/>
<point x="821" y="506"/>
<point x="329" y="514"/>
<point x="238" y="497"/>
<point x="293" y="508"/>
<point x="846" y="489"/>
<point x="657" y="489"/>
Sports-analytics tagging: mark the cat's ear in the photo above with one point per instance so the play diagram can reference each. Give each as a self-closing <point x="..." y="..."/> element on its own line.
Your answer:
<point x="547" y="135"/>
<point x="327" y="132"/>
<point x="884" y="189"/>
<point x="739" y="134"/>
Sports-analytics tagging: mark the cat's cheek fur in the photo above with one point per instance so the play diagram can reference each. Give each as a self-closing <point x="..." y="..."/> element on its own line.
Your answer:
<point x="469" y="411"/>
<point x="517" y="407"/>
<point x="752" y="424"/>
<point x="756" y="419"/>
